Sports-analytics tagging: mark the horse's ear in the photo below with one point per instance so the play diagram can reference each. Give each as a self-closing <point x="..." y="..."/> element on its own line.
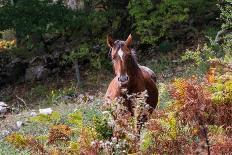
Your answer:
<point x="128" y="41"/>
<point x="110" y="41"/>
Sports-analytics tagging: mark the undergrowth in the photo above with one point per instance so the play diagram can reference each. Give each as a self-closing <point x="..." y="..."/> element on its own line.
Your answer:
<point x="193" y="116"/>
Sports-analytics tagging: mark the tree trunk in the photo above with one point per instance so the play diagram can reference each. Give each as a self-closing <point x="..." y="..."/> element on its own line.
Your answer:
<point x="77" y="73"/>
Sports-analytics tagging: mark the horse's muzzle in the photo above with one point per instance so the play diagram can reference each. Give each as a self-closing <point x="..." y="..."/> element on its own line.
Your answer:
<point x="123" y="80"/>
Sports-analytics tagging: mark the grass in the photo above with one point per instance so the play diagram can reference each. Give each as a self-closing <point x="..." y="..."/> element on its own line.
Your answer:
<point x="6" y="149"/>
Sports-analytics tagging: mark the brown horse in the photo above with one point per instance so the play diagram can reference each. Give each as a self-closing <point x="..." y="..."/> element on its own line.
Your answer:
<point x="129" y="74"/>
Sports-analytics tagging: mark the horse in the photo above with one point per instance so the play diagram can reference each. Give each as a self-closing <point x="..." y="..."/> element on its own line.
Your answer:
<point x="130" y="75"/>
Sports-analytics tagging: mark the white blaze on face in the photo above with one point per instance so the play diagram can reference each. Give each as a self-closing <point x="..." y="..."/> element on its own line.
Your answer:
<point x="120" y="53"/>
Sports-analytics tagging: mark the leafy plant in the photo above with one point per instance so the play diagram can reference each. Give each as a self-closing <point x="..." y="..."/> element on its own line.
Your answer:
<point x="53" y="118"/>
<point x="102" y="128"/>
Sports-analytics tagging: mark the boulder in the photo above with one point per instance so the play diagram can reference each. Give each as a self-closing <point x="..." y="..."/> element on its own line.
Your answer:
<point x="45" y="111"/>
<point x="3" y="108"/>
<point x="37" y="73"/>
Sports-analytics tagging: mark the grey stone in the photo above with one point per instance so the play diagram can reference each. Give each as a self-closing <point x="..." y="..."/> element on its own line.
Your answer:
<point x="3" y="107"/>
<point x="37" y="73"/>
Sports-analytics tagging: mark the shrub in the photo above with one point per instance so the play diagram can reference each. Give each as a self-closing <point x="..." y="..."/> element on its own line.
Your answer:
<point x="154" y="20"/>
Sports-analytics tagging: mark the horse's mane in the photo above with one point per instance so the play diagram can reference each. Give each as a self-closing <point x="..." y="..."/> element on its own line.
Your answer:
<point x="134" y="60"/>
<point x="133" y="54"/>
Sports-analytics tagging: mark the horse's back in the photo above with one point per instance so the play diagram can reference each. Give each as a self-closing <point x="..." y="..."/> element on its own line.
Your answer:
<point x="149" y="71"/>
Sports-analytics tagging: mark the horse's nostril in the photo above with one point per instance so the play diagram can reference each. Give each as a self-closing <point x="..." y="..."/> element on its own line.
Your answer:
<point x="123" y="78"/>
<point x="127" y="78"/>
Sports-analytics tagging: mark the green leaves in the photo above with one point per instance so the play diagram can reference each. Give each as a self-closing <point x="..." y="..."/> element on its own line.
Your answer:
<point x="76" y="118"/>
<point x="54" y="118"/>
<point x="153" y="21"/>
<point x="146" y="141"/>
<point x="102" y="127"/>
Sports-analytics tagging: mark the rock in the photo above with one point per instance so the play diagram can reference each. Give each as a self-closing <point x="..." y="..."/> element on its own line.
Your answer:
<point x="33" y="114"/>
<point x="3" y="104"/>
<point x="37" y="73"/>
<point x="3" y="108"/>
<point x="19" y="124"/>
<point x="4" y="133"/>
<point x="46" y="111"/>
<point x="175" y="61"/>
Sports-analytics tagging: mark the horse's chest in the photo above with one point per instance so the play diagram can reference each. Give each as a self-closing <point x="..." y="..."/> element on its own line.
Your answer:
<point x="136" y="89"/>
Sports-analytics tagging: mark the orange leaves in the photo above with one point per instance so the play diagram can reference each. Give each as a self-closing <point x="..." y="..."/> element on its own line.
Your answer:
<point x="210" y="76"/>
<point x="191" y="99"/>
<point x="21" y="141"/>
<point x="180" y="85"/>
<point x="59" y="132"/>
<point x="178" y="90"/>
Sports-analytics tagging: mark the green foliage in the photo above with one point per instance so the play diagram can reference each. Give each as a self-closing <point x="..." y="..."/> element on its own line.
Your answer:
<point x="226" y="14"/>
<point x="146" y="141"/>
<point x="55" y="96"/>
<point x="153" y="21"/>
<point x="166" y="46"/>
<point x="75" y="55"/>
<point x="170" y="125"/>
<point x="160" y="20"/>
<point x="8" y="34"/>
<point x="222" y="90"/>
<point x="6" y="149"/>
<point x="39" y="91"/>
<point x="53" y="118"/>
<point x="28" y="17"/>
<point x="201" y="10"/>
<point x="22" y="52"/>
<point x="211" y="32"/>
<point x="164" y="97"/>
<point x="76" y="118"/>
<point x="200" y="57"/>
<point x="102" y="127"/>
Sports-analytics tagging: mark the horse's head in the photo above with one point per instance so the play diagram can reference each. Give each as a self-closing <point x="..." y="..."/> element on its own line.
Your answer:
<point x="122" y="59"/>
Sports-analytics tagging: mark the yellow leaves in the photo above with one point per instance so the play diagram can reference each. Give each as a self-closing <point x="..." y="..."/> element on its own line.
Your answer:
<point x="178" y="91"/>
<point x="170" y="125"/>
<point x="59" y="132"/>
<point x="83" y="144"/>
<point x="17" y="140"/>
<point x="5" y="44"/>
<point x="74" y="147"/>
<point x="87" y="135"/>
<point x="21" y="141"/>
<point x="55" y="151"/>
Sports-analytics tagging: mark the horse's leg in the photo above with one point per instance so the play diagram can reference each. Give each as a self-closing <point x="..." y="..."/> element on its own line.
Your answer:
<point x="152" y="91"/>
<point x="113" y="90"/>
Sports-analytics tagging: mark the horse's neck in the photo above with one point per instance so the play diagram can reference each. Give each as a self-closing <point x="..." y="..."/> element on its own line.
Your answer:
<point x="136" y="80"/>
<point x="133" y="69"/>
